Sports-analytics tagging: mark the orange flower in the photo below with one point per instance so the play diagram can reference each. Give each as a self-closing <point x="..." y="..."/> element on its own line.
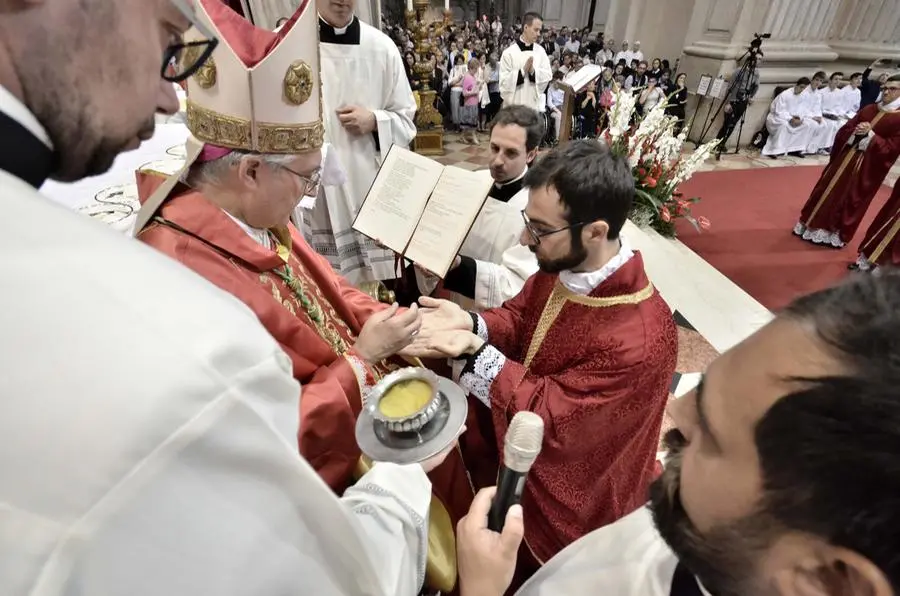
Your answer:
<point x="665" y="215"/>
<point x="650" y="182"/>
<point x="703" y="223"/>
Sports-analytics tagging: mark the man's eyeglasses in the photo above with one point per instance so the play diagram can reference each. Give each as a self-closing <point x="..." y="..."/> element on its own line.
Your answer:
<point x="311" y="188"/>
<point x="536" y="234"/>
<point x="181" y="60"/>
<point x="890" y="88"/>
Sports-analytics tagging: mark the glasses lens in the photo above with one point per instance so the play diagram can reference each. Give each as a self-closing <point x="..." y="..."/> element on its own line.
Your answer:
<point x="185" y="59"/>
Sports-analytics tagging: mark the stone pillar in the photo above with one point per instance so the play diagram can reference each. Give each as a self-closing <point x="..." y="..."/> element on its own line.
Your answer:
<point x="866" y="30"/>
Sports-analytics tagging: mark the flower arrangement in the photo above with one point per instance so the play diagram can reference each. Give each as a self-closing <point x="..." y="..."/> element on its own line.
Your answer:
<point x="654" y="153"/>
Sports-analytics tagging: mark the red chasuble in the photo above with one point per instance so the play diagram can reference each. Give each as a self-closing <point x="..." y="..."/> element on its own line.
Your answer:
<point x="598" y="370"/>
<point x="849" y="183"/>
<point x="315" y="328"/>
<point x="881" y="246"/>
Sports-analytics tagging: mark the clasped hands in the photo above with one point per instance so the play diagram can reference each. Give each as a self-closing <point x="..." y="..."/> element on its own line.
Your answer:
<point x="863" y="128"/>
<point x="446" y="331"/>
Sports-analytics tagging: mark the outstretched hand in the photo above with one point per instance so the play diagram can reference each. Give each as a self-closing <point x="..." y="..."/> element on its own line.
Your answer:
<point x="487" y="560"/>
<point x="443" y="315"/>
<point x="443" y="344"/>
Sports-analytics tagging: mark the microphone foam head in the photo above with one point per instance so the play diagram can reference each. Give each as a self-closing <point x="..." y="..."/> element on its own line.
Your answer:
<point x="523" y="441"/>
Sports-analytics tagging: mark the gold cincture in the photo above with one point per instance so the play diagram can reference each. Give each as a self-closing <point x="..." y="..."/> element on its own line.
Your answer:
<point x="236" y="133"/>
<point x="206" y="74"/>
<point x="298" y="82"/>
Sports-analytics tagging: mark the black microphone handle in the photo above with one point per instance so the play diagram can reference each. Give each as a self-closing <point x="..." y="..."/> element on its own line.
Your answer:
<point x="510" y="485"/>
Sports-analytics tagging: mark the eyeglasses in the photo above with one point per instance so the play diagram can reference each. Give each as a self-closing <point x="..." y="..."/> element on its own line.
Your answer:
<point x="181" y="60"/>
<point x="890" y="88"/>
<point x="311" y="183"/>
<point x="536" y="235"/>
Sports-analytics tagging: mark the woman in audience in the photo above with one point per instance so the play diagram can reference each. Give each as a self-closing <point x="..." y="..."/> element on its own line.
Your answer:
<point x="456" y="79"/>
<point x="651" y="96"/>
<point x="587" y="107"/>
<point x="656" y="69"/>
<point x="678" y="101"/>
<point x="468" y="113"/>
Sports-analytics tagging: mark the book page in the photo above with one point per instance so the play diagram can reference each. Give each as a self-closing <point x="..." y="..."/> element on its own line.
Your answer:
<point x="455" y="203"/>
<point x="397" y="198"/>
<point x="579" y="79"/>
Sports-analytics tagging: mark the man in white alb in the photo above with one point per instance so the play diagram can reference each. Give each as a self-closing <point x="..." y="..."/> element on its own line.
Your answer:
<point x="852" y="95"/>
<point x="756" y="498"/>
<point x="492" y="265"/>
<point x="833" y="111"/>
<point x="164" y="465"/>
<point x="637" y="54"/>
<point x="624" y="54"/>
<point x="788" y="133"/>
<point x="813" y="115"/>
<point x="524" y="67"/>
<point x="367" y="107"/>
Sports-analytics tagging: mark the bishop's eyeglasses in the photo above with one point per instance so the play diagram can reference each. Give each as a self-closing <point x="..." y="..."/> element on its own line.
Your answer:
<point x="183" y="59"/>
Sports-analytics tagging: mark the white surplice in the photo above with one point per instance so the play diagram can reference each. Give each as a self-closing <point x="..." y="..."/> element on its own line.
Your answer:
<point x="833" y="109"/>
<point x="818" y="135"/>
<point x="370" y="74"/>
<point x="784" y="138"/>
<point x="512" y="64"/>
<point x="852" y="99"/>
<point x="625" y="558"/>
<point x="149" y="433"/>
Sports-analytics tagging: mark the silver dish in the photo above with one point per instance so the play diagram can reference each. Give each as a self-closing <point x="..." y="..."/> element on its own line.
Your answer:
<point x="429" y="431"/>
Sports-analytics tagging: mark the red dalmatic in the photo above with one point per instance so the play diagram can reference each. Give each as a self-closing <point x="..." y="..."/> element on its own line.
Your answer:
<point x="597" y="369"/>
<point x="852" y="178"/>
<point x="881" y="246"/>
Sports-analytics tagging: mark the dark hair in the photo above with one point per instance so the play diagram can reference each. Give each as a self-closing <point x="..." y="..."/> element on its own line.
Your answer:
<point x="593" y="183"/>
<point x="894" y="78"/>
<point x="530" y="17"/>
<point x="830" y="451"/>
<point x="524" y="117"/>
<point x="820" y="75"/>
<point x="835" y="74"/>
<point x="856" y="74"/>
<point x="803" y="81"/>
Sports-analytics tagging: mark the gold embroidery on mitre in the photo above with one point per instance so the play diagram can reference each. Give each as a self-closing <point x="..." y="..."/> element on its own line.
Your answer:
<point x="206" y="73"/>
<point x="236" y="133"/>
<point x="298" y="82"/>
<point x="558" y="298"/>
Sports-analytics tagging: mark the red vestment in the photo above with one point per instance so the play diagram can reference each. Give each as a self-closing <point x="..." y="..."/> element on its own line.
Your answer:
<point x="880" y="245"/>
<point x="852" y="178"/>
<point x="598" y="370"/>
<point x="207" y="240"/>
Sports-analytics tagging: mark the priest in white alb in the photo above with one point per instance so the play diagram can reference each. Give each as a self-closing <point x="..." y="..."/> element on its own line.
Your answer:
<point x="367" y="107"/>
<point x="788" y="133"/>
<point x="813" y="117"/>
<point x="524" y="67"/>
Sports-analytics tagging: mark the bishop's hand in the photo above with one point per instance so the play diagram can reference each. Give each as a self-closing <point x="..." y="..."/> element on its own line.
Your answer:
<point x="387" y="332"/>
<point x="443" y="315"/>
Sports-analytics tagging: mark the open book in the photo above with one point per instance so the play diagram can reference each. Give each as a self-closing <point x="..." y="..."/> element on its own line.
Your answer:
<point x="422" y="209"/>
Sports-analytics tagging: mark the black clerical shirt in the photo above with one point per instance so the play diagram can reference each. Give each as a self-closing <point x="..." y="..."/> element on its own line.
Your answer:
<point x="22" y="154"/>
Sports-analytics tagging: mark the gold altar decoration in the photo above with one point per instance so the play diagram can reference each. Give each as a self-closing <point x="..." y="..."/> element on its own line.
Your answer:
<point x="429" y="124"/>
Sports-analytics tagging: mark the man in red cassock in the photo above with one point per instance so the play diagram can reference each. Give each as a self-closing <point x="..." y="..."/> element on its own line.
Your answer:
<point x="257" y="151"/>
<point x="589" y="345"/>
<point x="864" y="150"/>
<point x="881" y="245"/>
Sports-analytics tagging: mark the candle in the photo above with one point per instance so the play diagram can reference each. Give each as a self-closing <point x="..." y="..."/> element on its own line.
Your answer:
<point x="446" y="5"/>
<point x="409" y="6"/>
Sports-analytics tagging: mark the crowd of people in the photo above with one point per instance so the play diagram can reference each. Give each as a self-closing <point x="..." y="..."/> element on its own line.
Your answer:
<point x="465" y="62"/>
<point x="185" y="423"/>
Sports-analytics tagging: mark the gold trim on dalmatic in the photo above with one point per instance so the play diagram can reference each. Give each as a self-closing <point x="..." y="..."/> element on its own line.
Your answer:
<point x="557" y="300"/>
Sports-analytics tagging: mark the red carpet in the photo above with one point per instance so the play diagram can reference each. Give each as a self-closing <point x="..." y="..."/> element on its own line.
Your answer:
<point x="750" y="241"/>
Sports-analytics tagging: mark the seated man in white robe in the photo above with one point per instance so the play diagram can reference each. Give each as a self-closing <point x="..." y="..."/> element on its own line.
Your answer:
<point x="780" y="478"/>
<point x="833" y="111"/>
<point x="788" y="133"/>
<point x="486" y="273"/>
<point x="852" y="95"/>
<point x="367" y="107"/>
<point x="813" y="116"/>
<point x="524" y="67"/>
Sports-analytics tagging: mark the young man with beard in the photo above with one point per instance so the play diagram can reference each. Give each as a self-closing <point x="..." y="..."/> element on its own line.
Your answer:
<point x="782" y="476"/>
<point x="588" y="344"/>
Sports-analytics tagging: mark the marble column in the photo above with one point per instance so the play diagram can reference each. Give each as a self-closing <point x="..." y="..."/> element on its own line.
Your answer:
<point x="866" y="30"/>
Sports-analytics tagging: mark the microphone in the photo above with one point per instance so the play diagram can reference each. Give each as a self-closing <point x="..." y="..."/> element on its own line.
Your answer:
<point x="520" y="448"/>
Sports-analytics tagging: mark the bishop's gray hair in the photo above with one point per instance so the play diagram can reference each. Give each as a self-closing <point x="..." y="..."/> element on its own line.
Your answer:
<point x="213" y="172"/>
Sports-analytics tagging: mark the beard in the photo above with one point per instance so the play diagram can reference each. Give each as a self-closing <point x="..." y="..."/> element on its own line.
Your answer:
<point x="726" y="559"/>
<point x="575" y="257"/>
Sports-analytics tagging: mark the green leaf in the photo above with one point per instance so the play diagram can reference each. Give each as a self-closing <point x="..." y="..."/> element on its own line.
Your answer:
<point x="646" y="196"/>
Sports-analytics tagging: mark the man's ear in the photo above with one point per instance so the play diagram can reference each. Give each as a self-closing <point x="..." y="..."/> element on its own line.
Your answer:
<point x="598" y="230"/>
<point x="529" y="157"/>
<point x="248" y="170"/>
<point x="835" y="571"/>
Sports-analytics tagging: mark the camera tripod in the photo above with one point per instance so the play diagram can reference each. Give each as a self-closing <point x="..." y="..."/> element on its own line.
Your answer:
<point x="740" y="91"/>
